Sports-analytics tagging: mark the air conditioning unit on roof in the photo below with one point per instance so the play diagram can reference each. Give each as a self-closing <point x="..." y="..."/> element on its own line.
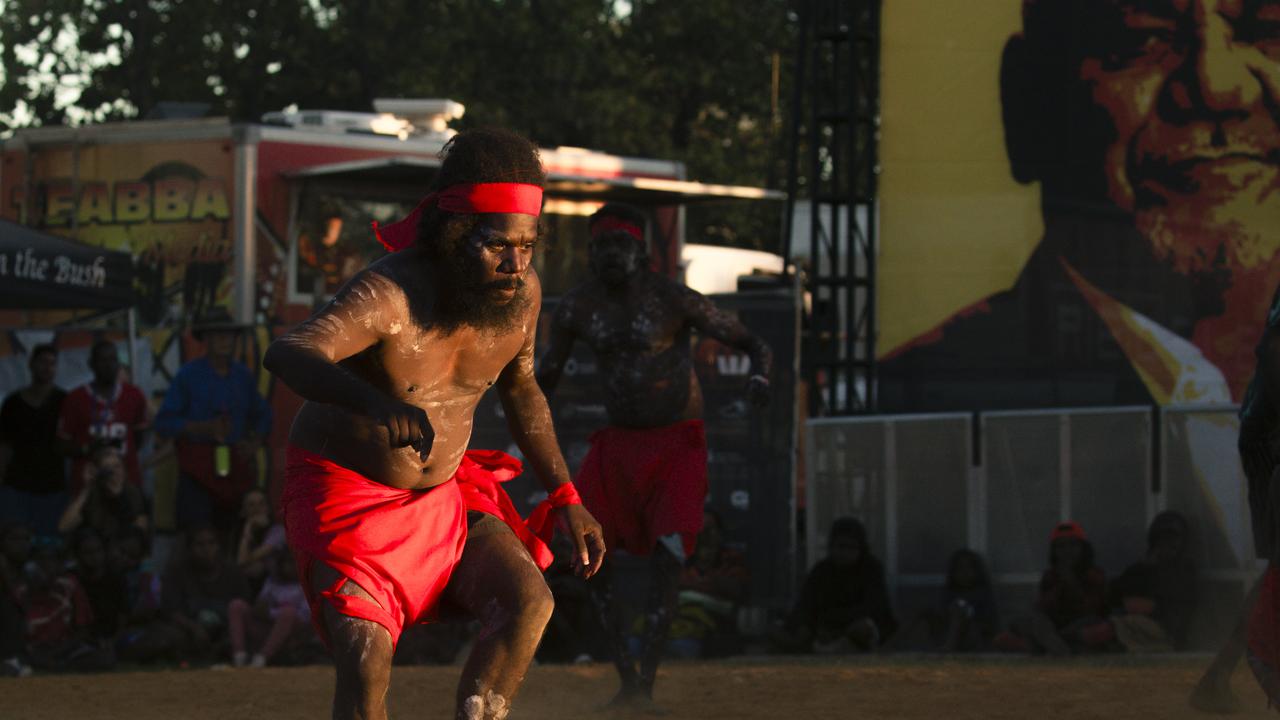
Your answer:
<point x="398" y="117"/>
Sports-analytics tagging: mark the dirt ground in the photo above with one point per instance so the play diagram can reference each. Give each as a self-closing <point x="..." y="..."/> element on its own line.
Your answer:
<point x="750" y="688"/>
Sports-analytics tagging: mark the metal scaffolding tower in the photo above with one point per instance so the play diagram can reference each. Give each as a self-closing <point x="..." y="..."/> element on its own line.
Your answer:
<point x="835" y="117"/>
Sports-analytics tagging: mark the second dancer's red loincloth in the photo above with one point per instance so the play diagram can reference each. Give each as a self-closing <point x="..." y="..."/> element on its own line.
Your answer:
<point x="644" y="484"/>
<point x="1263" y="634"/>
<point x="400" y="546"/>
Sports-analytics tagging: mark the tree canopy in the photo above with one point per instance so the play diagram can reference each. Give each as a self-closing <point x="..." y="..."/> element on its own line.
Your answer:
<point x="694" y="81"/>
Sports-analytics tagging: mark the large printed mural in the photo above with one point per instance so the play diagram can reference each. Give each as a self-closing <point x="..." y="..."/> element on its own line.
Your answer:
<point x="1095" y="219"/>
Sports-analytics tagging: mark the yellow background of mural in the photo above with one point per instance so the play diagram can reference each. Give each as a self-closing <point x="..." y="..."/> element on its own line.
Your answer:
<point x="954" y="226"/>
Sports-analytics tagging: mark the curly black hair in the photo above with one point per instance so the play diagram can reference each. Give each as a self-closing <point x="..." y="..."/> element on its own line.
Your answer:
<point x="483" y="155"/>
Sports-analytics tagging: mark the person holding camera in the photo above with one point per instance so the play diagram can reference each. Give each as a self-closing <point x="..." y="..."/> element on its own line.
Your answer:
<point x="107" y="503"/>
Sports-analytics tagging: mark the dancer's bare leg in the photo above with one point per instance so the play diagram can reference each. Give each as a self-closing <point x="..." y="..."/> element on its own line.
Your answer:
<point x="361" y="651"/>
<point x="615" y="619"/>
<point x="498" y="583"/>
<point x="659" y="611"/>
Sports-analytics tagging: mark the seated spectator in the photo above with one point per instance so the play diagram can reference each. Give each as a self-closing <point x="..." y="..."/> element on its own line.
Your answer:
<point x="965" y="618"/>
<point x="15" y="548"/>
<point x="573" y="633"/>
<point x="967" y="607"/>
<point x="1154" y="599"/>
<point x="195" y="595"/>
<point x="280" y="614"/>
<point x="104" y="585"/>
<point x="844" y="603"/>
<point x="712" y="586"/>
<point x="107" y="503"/>
<point x="1069" y="612"/>
<point x="145" y="634"/>
<point x="58" y="617"/>
<point x="259" y="538"/>
<point x="128" y="557"/>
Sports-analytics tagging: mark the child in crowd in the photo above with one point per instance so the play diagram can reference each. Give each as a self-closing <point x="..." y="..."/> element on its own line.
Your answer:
<point x="107" y="502"/>
<point x="280" y="611"/>
<point x="965" y="618"/>
<point x="844" y="603"/>
<point x="1069" y="614"/>
<point x="197" y="593"/>
<point x="260" y="538"/>
<point x="195" y="597"/>
<point x="15" y="548"/>
<point x="104" y="586"/>
<point x="1154" y="599"/>
<point x="967" y="609"/>
<point x="712" y="586"/>
<point x="58" y="617"/>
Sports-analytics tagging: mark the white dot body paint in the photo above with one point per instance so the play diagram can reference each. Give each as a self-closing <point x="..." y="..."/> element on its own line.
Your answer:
<point x="473" y="708"/>
<point x="495" y="706"/>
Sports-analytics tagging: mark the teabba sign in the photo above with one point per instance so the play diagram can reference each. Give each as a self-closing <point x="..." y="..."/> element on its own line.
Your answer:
<point x="125" y="202"/>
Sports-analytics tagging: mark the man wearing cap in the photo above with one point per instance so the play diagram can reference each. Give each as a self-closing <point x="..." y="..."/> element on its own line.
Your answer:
<point x="645" y="476"/>
<point x="217" y="419"/>
<point x="391" y="518"/>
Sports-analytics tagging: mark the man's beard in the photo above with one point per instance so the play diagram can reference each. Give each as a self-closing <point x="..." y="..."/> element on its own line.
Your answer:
<point x="464" y="300"/>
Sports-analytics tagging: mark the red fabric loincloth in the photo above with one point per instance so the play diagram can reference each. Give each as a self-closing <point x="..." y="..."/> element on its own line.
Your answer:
<point x="1264" y="635"/>
<point x="400" y="546"/>
<point x="479" y="477"/>
<point x="643" y="484"/>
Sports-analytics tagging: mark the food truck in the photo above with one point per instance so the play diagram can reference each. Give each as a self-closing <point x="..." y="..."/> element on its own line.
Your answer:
<point x="269" y="219"/>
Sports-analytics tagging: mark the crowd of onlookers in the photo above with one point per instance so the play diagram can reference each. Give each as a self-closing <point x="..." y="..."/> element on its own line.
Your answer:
<point x="844" y="604"/>
<point x="88" y="580"/>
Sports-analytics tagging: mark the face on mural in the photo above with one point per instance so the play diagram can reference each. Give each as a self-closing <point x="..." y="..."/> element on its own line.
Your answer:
<point x="1189" y="144"/>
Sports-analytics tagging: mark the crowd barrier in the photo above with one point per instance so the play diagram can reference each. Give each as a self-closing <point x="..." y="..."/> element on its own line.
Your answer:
<point x="997" y="482"/>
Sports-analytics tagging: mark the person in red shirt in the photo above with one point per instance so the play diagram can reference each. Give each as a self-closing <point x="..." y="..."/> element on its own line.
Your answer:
<point x="1070" y="609"/>
<point x="58" y="617"/>
<point x="107" y="410"/>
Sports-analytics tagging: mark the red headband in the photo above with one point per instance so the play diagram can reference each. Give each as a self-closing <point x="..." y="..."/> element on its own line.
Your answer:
<point x="609" y="223"/>
<point x="1067" y="529"/>
<point x="518" y="198"/>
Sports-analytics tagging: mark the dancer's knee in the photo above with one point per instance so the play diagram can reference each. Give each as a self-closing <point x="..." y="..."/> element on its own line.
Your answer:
<point x="530" y="604"/>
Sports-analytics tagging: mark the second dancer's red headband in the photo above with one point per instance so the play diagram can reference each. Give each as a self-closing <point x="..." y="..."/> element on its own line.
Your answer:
<point x="518" y="198"/>
<point x="609" y="223"/>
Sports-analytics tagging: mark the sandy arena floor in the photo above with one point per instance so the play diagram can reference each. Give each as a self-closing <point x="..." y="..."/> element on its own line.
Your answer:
<point x="764" y="688"/>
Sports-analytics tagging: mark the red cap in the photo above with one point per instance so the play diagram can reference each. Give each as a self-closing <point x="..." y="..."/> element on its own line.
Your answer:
<point x="1067" y="529"/>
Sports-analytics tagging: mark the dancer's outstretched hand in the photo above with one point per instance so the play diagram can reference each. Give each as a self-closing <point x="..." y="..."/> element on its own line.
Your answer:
<point x="587" y="537"/>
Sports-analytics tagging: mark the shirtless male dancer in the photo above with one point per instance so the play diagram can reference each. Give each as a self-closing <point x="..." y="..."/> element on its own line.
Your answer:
<point x="645" y="477"/>
<point x="389" y="515"/>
